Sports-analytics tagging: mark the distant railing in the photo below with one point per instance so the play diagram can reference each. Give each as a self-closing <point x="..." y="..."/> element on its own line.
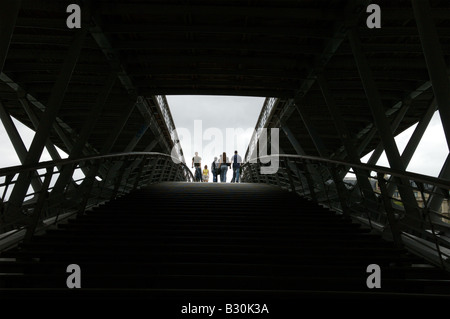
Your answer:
<point x="266" y="110"/>
<point x="107" y="177"/>
<point x="413" y="225"/>
<point x="164" y="107"/>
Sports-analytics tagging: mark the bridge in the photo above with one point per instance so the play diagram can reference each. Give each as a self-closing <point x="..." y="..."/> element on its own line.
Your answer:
<point x="123" y="206"/>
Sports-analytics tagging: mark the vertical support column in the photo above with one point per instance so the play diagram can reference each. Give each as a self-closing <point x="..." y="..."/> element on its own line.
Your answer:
<point x="153" y="165"/>
<point x="393" y="225"/>
<point x="39" y="207"/>
<point x="139" y="173"/>
<point x="434" y="57"/>
<point x="40" y="138"/>
<point x="163" y="170"/>
<point x="382" y="125"/>
<point x="9" y="10"/>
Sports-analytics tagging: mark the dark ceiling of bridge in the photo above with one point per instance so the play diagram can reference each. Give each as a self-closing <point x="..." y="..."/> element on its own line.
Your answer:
<point x="268" y="48"/>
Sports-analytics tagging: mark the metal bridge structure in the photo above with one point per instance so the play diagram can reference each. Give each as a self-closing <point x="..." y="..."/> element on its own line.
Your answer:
<point x="336" y="89"/>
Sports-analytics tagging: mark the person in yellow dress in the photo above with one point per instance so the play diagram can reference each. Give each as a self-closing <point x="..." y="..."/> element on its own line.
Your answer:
<point x="205" y="174"/>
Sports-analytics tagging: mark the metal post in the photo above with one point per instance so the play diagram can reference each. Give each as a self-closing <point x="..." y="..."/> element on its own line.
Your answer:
<point x="383" y="127"/>
<point x="153" y="166"/>
<point x="288" y="171"/>
<point x="169" y="177"/>
<point x="163" y="170"/>
<point x="393" y="225"/>
<point x="47" y="120"/>
<point x="9" y="10"/>
<point x="434" y="57"/>
<point x="435" y="200"/>
<point x="341" y="190"/>
<point x="37" y="211"/>
<point x="139" y="174"/>
<point x="310" y="182"/>
<point x="86" y="187"/>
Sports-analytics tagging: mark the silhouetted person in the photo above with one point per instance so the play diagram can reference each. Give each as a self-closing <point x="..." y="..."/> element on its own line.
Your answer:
<point x="223" y="164"/>
<point x="236" y="161"/>
<point x="215" y="169"/>
<point x="197" y="162"/>
<point x="205" y="174"/>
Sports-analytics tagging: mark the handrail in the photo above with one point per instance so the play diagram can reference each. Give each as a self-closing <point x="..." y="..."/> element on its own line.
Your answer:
<point x="382" y="169"/>
<point x="264" y="115"/>
<point x="24" y="168"/>
<point x="108" y="176"/>
<point x="412" y="225"/>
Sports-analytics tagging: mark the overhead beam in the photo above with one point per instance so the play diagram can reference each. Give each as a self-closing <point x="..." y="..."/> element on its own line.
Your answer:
<point x="273" y="30"/>
<point x="9" y="10"/>
<point x="348" y="18"/>
<point x="217" y="91"/>
<point x="183" y="59"/>
<point x="215" y="10"/>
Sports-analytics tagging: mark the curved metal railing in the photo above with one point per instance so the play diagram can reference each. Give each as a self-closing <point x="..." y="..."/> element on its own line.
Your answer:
<point x="107" y="177"/>
<point x="340" y="186"/>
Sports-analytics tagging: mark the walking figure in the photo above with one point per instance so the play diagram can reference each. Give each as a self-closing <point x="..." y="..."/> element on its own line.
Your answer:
<point x="215" y="169"/>
<point x="197" y="162"/>
<point x="224" y="162"/>
<point x="236" y="160"/>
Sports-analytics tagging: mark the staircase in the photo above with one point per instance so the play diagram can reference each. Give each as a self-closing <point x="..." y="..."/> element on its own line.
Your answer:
<point x="212" y="240"/>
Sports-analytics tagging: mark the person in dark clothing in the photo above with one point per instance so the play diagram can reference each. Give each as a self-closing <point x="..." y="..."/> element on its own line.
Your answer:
<point x="215" y="169"/>
<point x="224" y="162"/>
<point x="197" y="162"/>
<point x="236" y="161"/>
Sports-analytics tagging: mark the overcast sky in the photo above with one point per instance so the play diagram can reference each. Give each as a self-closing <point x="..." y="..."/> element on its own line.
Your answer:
<point x="204" y="121"/>
<point x="431" y="152"/>
<point x="211" y="125"/>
